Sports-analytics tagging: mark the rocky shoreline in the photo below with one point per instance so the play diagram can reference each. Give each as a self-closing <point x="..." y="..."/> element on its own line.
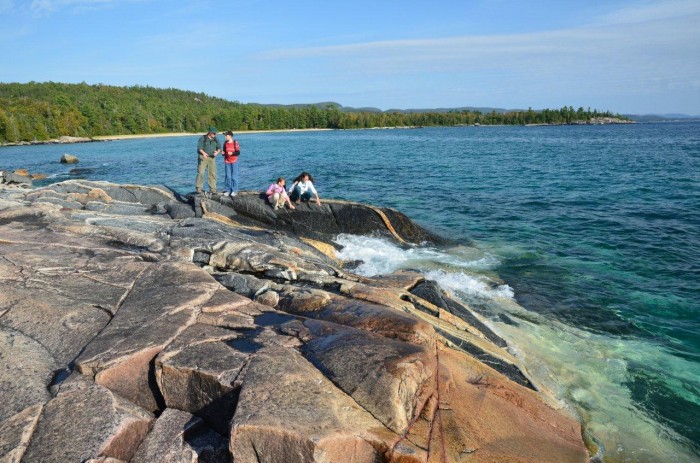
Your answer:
<point x="102" y="138"/>
<point x="593" y="121"/>
<point x="64" y="140"/>
<point x="139" y="325"/>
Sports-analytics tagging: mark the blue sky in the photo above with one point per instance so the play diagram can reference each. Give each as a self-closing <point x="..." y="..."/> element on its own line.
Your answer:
<point x="628" y="56"/>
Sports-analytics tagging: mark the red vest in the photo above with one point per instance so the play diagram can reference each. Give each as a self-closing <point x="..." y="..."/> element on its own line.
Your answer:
<point x="231" y="151"/>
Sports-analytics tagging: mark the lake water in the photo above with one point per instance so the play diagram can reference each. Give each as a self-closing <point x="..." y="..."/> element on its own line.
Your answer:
<point x="580" y="245"/>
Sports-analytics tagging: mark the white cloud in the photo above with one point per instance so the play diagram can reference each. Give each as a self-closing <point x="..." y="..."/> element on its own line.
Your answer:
<point x="42" y="7"/>
<point x="652" y="11"/>
<point x="660" y="49"/>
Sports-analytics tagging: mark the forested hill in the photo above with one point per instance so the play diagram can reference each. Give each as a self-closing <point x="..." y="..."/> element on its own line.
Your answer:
<point x="41" y="111"/>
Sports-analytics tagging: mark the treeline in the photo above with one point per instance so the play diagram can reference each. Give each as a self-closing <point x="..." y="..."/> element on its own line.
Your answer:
<point x="42" y="111"/>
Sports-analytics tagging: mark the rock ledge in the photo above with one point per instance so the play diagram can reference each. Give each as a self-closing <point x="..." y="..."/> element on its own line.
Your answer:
<point x="138" y="325"/>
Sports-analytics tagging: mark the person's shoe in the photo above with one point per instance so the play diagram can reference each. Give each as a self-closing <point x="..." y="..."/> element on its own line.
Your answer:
<point x="226" y="193"/>
<point x="199" y="192"/>
<point x="233" y="193"/>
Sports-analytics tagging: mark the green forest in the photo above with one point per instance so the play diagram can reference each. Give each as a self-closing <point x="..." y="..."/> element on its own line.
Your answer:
<point x="42" y="111"/>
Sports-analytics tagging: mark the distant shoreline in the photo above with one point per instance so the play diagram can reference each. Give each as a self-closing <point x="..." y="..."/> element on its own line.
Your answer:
<point x="65" y="140"/>
<point x="191" y="134"/>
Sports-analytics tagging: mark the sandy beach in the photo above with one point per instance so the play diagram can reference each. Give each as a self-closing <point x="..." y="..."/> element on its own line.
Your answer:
<point x="190" y="134"/>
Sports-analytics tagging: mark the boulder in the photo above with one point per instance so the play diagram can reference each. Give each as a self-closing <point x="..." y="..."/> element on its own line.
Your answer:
<point x="17" y="179"/>
<point x="304" y="301"/>
<point x="269" y="298"/>
<point x="69" y="159"/>
<point x="87" y="422"/>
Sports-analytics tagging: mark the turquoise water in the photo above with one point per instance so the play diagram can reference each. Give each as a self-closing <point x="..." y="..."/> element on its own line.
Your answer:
<point x="579" y="244"/>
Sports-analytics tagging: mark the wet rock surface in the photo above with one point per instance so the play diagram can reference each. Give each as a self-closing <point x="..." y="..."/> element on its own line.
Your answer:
<point x="140" y="326"/>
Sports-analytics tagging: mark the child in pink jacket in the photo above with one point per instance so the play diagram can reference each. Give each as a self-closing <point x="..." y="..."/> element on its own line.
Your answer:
<point x="277" y="194"/>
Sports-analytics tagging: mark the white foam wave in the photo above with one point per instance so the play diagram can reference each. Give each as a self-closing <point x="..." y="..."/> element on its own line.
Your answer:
<point x="380" y="257"/>
<point x="470" y="284"/>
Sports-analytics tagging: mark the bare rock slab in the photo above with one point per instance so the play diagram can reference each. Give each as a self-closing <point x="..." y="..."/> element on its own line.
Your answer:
<point x="26" y="368"/>
<point x="288" y="411"/>
<point x="179" y="437"/>
<point x="390" y="379"/>
<point x="15" y="433"/>
<point x="368" y="316"/>
<point x="198" y="374"/>
<point x="60" y="323"/>
<point x="88" y="422"/>
<point x="483" y="417"/>
<point x="163" y="302"/>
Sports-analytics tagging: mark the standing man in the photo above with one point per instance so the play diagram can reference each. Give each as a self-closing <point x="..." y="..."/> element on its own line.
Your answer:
<point x="231" y="151"/>
<point x="207" y="149"/>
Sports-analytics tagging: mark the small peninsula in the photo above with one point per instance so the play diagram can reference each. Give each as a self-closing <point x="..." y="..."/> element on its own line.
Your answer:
<point x="138" y="325"/>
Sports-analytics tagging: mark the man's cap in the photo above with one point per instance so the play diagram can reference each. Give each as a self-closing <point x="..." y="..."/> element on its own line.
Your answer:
<point x="229" y="133"/>
<point x="212" y="130"/>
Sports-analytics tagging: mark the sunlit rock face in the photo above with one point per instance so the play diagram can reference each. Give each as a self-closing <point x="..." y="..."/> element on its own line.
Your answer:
<point x="227" y="331"/>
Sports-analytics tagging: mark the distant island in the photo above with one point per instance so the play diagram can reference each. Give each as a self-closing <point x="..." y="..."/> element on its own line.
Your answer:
<point x="36" y="112"/>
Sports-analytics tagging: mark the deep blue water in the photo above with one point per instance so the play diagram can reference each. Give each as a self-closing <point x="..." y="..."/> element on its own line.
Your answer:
<point x="596" y="228"/>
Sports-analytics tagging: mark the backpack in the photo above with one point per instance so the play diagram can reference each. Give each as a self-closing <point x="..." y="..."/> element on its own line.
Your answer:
<point x="236" y="148"/>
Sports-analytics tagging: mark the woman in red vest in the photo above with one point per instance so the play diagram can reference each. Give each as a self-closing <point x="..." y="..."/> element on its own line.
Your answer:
<point x="231" y="151"/>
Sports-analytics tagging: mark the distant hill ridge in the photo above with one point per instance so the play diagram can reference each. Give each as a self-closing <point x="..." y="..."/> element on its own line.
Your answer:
<point x="673" y="117"/>
<point x="370" y="109"/>
<point x="41" y="111"/>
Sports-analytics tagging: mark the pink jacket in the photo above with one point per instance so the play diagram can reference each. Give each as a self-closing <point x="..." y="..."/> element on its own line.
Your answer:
<point x="275" y="188"/>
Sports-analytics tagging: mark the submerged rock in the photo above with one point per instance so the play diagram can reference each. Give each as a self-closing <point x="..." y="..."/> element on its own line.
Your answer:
<point x="247" y="339"/>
